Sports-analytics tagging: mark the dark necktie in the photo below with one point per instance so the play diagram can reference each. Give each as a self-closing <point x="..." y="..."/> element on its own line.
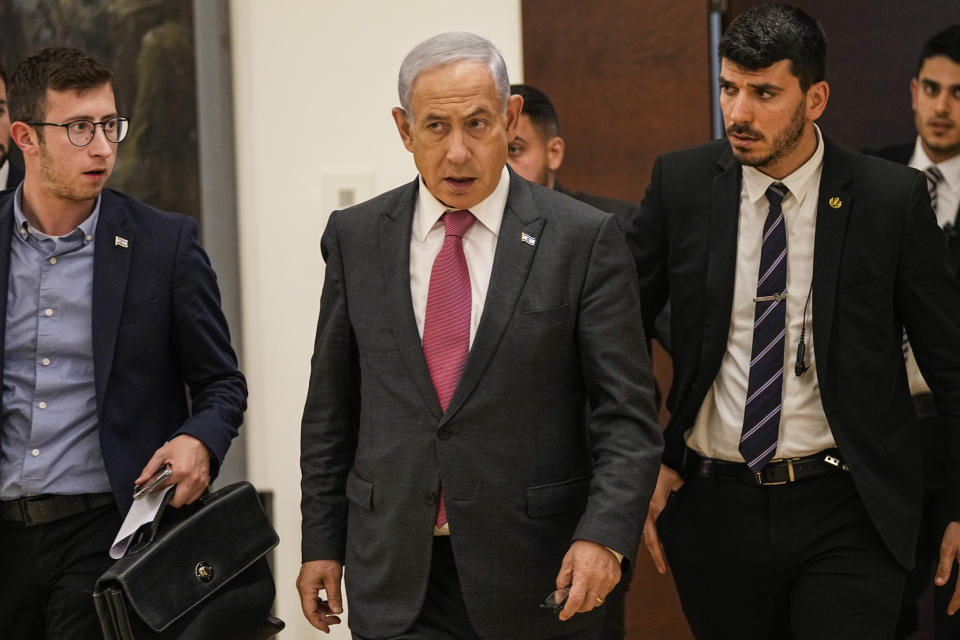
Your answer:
<point x="934" y="178"/>
<point x="761" y="417"/>
<point x="446" y="325"/>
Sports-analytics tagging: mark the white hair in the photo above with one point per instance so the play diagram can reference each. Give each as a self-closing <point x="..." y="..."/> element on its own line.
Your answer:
<point x="445" y="49"/>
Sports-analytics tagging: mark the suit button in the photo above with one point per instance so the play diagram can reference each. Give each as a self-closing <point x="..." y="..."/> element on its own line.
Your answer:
<point x="444" y="433"/>
<point x="430" y="497"/>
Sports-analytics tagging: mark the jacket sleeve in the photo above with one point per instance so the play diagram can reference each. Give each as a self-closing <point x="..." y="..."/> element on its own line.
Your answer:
<point x="624" y="433"/>
<point x="928" y="297"/>
<point x="208" y="364"/>
<point x="328" y="436"/>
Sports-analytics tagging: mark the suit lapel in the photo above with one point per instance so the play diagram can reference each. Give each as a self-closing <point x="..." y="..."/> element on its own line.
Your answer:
<point x="111" y="265"/>
<point x="395" y="229"/>
<point x="721" y="263"/>
<point x="833" y="210"/>
<point x="511" y="264"/>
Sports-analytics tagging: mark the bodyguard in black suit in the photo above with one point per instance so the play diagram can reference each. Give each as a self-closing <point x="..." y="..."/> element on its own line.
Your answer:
<point x="109" y="314"/>
<point x="459" y="498"/>
<point x="935" y="93"/>
<point x="793" y="265"/>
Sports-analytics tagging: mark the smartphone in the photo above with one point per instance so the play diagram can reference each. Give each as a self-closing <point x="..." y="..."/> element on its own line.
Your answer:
<point x="152" y="483"/>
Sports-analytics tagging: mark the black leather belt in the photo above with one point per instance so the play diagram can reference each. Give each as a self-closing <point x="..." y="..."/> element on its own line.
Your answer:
<point x="43" y="509"/>
<point x="775" y="473"/>
<point x="924" y="405"/>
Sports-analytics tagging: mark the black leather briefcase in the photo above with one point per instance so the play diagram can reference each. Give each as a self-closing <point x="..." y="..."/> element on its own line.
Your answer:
<point x="196" y="573"/>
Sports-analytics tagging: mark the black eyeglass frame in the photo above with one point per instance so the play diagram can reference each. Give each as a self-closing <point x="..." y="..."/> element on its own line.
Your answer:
<point x="120" y="120"/>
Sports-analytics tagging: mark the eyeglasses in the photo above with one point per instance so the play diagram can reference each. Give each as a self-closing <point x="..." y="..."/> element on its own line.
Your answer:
<point x="80" y="132"/>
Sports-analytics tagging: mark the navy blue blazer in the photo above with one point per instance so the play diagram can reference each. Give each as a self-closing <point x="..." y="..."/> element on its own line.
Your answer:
<point x="158" y="332"/>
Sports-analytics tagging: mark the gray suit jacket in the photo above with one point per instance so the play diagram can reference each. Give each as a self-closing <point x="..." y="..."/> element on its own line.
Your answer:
<point x="523" y="474"/>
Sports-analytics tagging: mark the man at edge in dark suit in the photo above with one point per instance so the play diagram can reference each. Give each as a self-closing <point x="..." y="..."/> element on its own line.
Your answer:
<point x="110" y="312"/>
<point x="10" y="174"/>
<point x="467" y="318"/>
<point x="789" y="494"/>
<point x="935" y="95"/>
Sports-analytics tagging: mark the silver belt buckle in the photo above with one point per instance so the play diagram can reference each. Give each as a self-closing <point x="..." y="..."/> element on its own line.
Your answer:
<point x="790" y="477"/>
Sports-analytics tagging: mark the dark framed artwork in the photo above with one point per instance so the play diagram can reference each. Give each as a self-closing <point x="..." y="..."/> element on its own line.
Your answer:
<point x="149" y="46"/>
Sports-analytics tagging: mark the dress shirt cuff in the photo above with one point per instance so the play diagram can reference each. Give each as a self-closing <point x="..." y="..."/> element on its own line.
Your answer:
<point x="616" y="554"/>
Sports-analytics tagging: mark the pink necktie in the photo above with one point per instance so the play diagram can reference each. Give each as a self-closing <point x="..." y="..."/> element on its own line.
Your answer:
<point x="446" y="326"/>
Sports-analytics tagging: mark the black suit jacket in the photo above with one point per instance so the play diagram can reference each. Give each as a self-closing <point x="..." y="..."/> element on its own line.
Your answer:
<point x="14" y="175"/>
<point x="158" y="331"/>
<point x="877" y="268"/>
<point x="522" y="471"/>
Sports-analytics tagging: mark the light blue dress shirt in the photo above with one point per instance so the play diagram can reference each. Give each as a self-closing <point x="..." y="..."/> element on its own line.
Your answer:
<point x="50" y="442"/>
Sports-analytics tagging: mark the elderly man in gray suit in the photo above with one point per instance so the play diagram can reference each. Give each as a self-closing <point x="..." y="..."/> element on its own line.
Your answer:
<point x="466" y="320"/>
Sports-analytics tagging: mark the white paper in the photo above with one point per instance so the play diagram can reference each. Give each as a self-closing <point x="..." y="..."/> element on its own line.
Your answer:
<point x="144" y="510"/>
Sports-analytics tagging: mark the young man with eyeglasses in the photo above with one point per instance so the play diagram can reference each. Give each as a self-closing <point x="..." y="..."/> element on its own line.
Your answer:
<point x="109" y="312"/>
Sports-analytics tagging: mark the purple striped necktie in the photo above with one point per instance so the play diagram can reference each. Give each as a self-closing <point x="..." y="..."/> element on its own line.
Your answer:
<point x="446" y="324"/>
<point x="761" y="416"/>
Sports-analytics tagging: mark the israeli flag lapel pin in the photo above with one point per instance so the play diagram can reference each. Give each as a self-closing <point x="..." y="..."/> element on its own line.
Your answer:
<point x="121" y="242"/>
<point x="526" y="238"/>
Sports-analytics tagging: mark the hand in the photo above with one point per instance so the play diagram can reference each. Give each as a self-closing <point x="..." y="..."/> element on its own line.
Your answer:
<point x="591" y="572"/>
<point x="189" y="460"/>
<point x="949" y="553"/>
<point x="668" y="480"/>
<point x="316" y="576"/>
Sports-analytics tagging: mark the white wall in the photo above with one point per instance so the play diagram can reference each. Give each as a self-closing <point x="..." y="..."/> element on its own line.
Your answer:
<point x="314" y="82"/>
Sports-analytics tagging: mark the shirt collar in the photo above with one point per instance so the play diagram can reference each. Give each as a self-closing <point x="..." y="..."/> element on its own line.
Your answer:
<point x="949" y="168"/>
<point x="798" y="182"/>
<point x="488" y="212"/>
<point x="21" y="224"/>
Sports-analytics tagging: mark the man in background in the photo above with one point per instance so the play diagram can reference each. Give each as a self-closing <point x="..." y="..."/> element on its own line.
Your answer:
<point x="10" y="174"/>
<point x="110" y="315"/>
<point x="935" y="94"/>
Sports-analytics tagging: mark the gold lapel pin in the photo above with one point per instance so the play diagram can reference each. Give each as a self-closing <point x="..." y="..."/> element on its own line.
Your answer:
<point x="835" y="202"/>
<point x="121" y="242"/>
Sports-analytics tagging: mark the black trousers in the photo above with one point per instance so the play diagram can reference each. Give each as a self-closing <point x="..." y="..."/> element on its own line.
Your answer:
<point x="444" y="614"/>
<point x="614" y="620"/>
<point x="937" y="507"/>
<point x="48" y="572"/>
<point x="800" y="561"/>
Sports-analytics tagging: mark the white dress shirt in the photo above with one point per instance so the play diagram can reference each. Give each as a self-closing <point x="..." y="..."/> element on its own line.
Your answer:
<point x="803" y="425"/>
<point x="948" y="200"/>
<point x="4" y="172"/>
<point x="479" y="247"/>
<point x="948" y="191"/>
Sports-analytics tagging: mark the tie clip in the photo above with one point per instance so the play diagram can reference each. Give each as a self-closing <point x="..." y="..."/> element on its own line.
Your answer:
<point x="777" y="297"/>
